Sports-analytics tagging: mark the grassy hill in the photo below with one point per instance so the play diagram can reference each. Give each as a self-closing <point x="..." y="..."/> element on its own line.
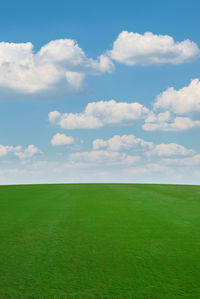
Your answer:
<point x="100" y="241"/>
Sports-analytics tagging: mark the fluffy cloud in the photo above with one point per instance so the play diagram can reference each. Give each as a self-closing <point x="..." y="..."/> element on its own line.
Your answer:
<point x="58" y="62"/>
<point x="62" y="64"/>
<point x="159" y="118"/>
<point x="133" y="48"/>
<point x="124" y="142"/>
<point x="74" y="121"/>
<point x="99" y="114"/>
<point x="103" y="113"/>
<point x="184" y="100"/>
<point x="61" y="139"/>
<point x="75" y="79"/>
<point x="170" y="149"/>
<point x="18" y="151"/>
<point x="131" y="142"/>
<point x="172" y="124"/>
<point x="54" y="116"/>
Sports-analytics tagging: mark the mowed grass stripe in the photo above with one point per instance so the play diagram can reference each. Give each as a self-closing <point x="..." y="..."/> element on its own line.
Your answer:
<point x="99" y="241"/>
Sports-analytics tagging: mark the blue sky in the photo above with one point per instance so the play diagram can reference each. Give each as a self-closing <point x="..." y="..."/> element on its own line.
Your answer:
<point x="63" y="56"/>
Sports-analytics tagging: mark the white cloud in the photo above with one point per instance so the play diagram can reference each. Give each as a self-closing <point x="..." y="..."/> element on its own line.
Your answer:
<point x="99" y="144"/>
<point x="99" y="114"/>
<point x="78" y="121"/>
<point x="5" y="149"/>
<point x="115" y="112"/>
<point x="62" y="64"/>
<point x="176" y="124"/>
<point x="170" y="149"/>
<point x="62" y="51"/>
<point x="103" y="113"/>
<point x="158" y="118"/>
<point x="18" y="151"/>
<point x="148" y="149"/>
<point x="58" y="62"/>
<point x="125" y="142"/>
<point x="133" y="48"/>
<point x="61" y="139"/>
<point x="54" y="116"/>
<point x="28" y="152"/>
<point x="184" y="100"/>
<point x="75" y="79"/>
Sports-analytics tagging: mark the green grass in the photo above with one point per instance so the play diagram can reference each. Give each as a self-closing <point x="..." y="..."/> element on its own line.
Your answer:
<point x="100" y="241"/>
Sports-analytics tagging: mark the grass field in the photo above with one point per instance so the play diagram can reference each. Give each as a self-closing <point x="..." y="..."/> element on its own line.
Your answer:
<point x="100" y="241"/>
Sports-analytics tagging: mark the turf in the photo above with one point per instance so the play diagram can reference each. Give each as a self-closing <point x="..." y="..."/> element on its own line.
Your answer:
<point x="100" y="241"/>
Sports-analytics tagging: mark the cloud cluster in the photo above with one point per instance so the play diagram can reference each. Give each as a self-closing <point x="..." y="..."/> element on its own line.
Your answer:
<point x="170" y="149"/>
<point x="130" y="156"/>
<point x="19" y="151"/>
<point x="60" y="62"/>
<point x="125" y="142"/>
<point x="171" y="124"/>
<point x="175" y="104"/>
<point x="5" y="149"/>
<point x="184" y="100"/>
<point x="145" y="49"/>
<point x="131" y="142"/>
<point x="120" y="158"/>
<point x="61" y="139"/>
<point x="63" y="65"/>
<point x="99" y="114"/>
<point x="104" y="113"/>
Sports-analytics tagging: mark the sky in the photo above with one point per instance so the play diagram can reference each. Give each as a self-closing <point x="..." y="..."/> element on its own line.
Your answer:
<point x="99" y="91"/>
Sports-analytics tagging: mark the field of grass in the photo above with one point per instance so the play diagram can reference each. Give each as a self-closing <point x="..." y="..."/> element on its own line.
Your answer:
<point x="100" y="241"/>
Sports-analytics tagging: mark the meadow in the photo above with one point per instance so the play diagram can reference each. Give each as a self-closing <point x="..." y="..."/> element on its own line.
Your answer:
<point x="100" y="241"/>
